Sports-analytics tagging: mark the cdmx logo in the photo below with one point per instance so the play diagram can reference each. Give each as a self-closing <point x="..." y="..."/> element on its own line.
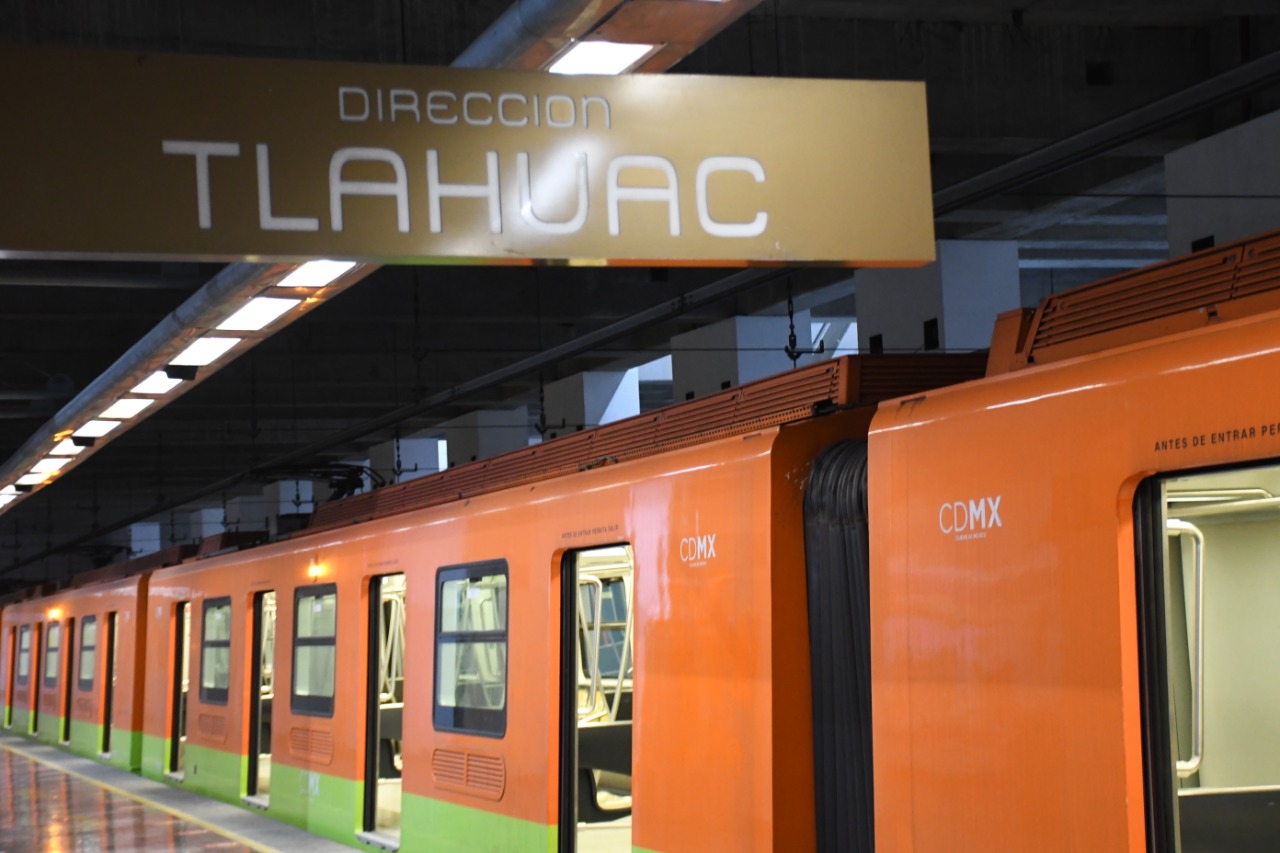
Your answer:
<point x="697" y="550"/>
<point x="970" y="519"/>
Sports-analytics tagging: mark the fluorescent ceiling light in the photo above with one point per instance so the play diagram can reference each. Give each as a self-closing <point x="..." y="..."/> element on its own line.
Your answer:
<point x="32" y="479"/>
<point x="600" y="57"/>
<point x="156" y="383"/>
<point x="205" y="351"/>
<point x="49" y="464"/>
<point x="5" y="500"/>
<point x="8" y="490"/>
<point x="95" y="429"/>
<point x="125" y="409"/>
<point x="257" y="313"/>
<point x="66" y="447"/>
<point x="315" y="273"/>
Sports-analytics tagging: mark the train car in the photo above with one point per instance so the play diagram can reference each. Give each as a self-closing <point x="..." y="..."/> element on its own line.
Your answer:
<point x="531" y="652"/>
<point x="1034" y="611"/>
<point x="1074" y="602"/>
<point x="73" y="662"/>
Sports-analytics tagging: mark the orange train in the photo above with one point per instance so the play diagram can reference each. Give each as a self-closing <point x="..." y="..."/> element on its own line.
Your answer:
<point x="875" y="603"/>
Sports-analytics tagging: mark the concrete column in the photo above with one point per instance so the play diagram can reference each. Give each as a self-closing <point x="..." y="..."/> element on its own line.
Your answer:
<point x="140" y="539"/>
<point x="478" y="435"/>
<point x="205" y="522"/>
<point x="733" y="351"/>
<point x="247" y="512"/>
<point x="1237" y="162"/>
<point x="586" y="400"/>
<point x="949" y="304"/>
<point x="288" y="504"/>
<point x="419" y="456"/>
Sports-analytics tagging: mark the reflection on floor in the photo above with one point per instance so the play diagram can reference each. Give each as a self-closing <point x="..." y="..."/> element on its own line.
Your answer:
<point x="52" y="801"/>
<point x="43" y="810"/>
<point x="264" y="774"/>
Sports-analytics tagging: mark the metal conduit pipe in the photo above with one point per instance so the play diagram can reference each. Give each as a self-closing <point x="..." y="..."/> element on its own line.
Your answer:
<point x="203" y="310"/>
<point x="527" y="22"/>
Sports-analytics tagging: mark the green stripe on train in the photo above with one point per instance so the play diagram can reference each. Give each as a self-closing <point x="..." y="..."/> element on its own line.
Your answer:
<point x="429" y="824"/>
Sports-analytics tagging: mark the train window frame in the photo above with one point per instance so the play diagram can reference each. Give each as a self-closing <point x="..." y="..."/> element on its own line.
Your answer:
<point x="313" y="704"/>
<point x="89" y="648"/>
<point x="52" y="654"/>
<point x="464" y="719"/>
<point x="214" y="693"/>
<point x="22" y="667"/>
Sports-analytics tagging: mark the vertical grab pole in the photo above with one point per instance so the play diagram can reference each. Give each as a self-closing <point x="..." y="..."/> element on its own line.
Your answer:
<point x="1176" y="529"/>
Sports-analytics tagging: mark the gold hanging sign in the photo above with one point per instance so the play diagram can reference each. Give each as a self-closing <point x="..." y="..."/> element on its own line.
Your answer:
<point x="121" y="155"/>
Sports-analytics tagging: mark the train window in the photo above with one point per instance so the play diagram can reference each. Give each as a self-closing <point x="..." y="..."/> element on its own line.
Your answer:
<point x="1210" y="593"/>
<point x="88" y="651"/>
<point x="53" y="645"/>
<point x="471" y="648"/>
<point x="24" y="654"/>
<point x="215" y="651"/>
<point x="315" y="638"/>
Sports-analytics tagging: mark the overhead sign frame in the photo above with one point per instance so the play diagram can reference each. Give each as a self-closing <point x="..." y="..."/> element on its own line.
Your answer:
<point x="113" y="155"/>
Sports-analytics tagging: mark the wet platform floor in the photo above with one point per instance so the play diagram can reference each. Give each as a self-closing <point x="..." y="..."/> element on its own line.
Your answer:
<point x="55" y="802"/>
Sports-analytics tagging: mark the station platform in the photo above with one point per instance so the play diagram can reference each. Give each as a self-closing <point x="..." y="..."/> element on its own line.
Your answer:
<point x="52" y="801"/>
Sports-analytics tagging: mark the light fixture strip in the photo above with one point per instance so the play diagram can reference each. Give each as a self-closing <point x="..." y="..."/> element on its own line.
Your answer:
<point x="204" y="351"/>
<point x="126" y="408"/>
<point x="258" y="313"/>
<point x="600" y="57"/>
<point x="316" y="273"/>
<point x="156" y="383"/>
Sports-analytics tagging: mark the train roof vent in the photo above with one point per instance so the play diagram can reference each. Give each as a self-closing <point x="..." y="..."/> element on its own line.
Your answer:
<point x="787" y="397"/>
<point x="1235" y="280"/>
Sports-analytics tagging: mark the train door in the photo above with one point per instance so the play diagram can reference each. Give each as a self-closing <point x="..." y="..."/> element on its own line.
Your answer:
<point x="33" y="682"/>
<point x="109" y="683"/>
<point x="384" y="707"/>
<point x="87" y="658"/>
<point x="261" y="698"/>
<point x="1210" y="594"/>
<point x="68" y="684"/>
<point x="180" y="672"/>
<point x="11" y="665"/>
<point x="596" y="676"/>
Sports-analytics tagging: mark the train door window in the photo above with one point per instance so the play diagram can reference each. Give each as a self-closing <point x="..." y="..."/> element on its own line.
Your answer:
<point x="384" y="759"/>
<point x="263" y="695"/>
<point x="597" y="628"/>
<point x="24" y="655"/>
<point x="471" y="649"/>
<point x="52" y="648"/>
<point x="109" y="682"/>
<point x="215" y="651"/>
<point x="1210" y="592"/>
<point x="88" y="652"/>
<point x="181" y="674"/>
<point x="68" y="682"/>
<point x="315" y="638"/>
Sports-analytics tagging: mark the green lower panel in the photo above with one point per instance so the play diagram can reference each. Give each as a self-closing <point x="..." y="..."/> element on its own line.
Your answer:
<point x="435" y="825"/>
<point x="155" y="757"/>
<point x="50" y="729"/>
<point x="86" y="738"/>
<point x="213" y="773"/>
<point x="319" y="803"/>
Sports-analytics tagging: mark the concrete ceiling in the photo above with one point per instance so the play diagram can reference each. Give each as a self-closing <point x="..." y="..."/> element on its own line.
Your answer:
<point x="1003" y="80"/>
